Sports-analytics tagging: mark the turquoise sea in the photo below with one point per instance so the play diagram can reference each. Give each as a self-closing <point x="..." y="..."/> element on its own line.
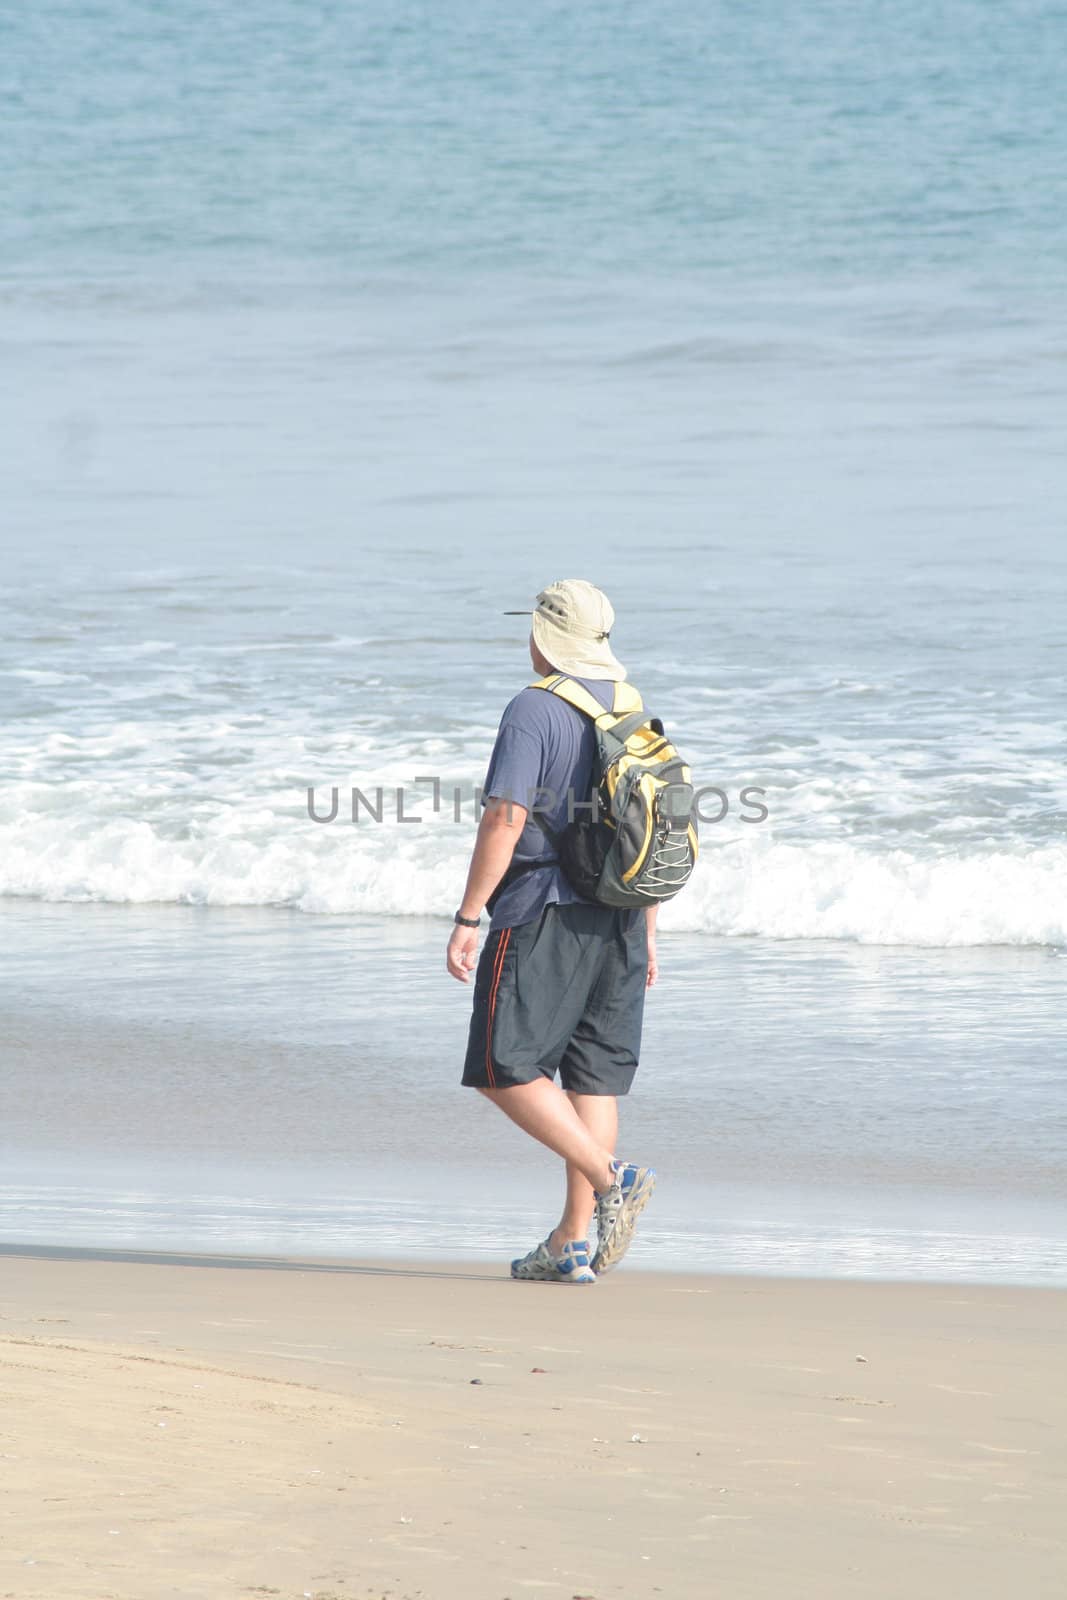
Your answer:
<point x="330" y="333"/>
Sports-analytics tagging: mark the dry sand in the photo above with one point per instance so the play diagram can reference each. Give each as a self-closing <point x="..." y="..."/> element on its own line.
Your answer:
<point x="212" y="1427"/>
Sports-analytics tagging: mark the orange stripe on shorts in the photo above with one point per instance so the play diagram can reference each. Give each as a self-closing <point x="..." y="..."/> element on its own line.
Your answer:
<point x="498" y="967"/>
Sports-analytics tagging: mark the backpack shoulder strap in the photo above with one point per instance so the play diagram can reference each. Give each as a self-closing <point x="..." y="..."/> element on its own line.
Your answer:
<point x="626" y="698"/>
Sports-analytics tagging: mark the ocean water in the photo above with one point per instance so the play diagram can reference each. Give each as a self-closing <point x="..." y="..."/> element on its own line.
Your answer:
<point x="327" y="337"/>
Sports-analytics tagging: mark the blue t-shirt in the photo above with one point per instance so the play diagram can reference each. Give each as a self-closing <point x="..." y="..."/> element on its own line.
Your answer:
<point x="544" y="752"/>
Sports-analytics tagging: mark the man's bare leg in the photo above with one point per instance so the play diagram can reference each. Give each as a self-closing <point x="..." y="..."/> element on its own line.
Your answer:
<point x="543" y="1111"/>
<point x="600" y="1113"/>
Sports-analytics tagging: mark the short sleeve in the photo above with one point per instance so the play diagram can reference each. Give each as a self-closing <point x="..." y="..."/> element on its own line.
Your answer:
<point x="515" y="766"/>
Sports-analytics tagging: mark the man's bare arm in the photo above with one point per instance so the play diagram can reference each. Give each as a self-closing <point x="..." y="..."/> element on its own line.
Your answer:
<point x="498" y="833"/>
<point x="651" y="912"/>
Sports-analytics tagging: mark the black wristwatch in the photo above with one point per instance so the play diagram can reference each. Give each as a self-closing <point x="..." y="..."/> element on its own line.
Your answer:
<point x="467" y="922"/>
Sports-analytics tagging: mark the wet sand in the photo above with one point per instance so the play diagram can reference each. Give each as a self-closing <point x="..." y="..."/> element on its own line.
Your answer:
<point x="222" y="1428"/>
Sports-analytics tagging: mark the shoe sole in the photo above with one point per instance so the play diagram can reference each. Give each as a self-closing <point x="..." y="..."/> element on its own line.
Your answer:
<point x="623" y="1232"/>
<point x="523" y="1277"/>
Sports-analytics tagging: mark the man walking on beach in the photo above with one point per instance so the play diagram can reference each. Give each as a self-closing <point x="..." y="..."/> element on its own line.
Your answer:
<point x="561" y="981"/>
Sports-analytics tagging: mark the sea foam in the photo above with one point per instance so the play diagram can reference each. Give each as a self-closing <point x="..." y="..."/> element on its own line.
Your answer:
<point x="761" y="886"/>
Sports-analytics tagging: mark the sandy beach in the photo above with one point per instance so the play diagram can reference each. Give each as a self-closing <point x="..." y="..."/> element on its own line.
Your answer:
<point x="228" y="1428"/>
<point x="334" y="336"/>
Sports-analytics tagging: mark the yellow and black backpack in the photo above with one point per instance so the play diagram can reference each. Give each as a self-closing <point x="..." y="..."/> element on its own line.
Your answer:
<point x="637" y="844"/>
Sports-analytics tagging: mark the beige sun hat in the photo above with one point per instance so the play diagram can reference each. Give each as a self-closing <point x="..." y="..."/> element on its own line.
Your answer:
<point x="570" y="627"/>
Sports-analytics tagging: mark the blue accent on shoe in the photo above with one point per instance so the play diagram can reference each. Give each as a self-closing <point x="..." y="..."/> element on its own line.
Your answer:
<point x="570" y="1266"/>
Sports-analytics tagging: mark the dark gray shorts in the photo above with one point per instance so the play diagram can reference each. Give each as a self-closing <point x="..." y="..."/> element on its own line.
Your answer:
<point x="566" y="993"/>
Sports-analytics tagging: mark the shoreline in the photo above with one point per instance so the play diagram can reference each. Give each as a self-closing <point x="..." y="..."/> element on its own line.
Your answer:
<point x="475" y="1268"/>
<point x="179" y="1206"/>
<point x="233" y="1427"/>
<point x="188" y="1095"/>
